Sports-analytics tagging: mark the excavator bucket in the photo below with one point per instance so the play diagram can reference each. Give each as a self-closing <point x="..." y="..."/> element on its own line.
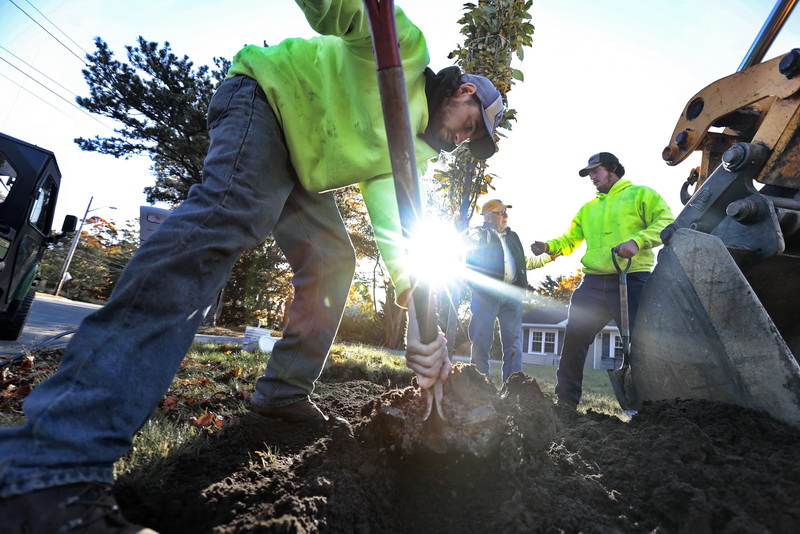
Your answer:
<point x="719" y="317"/>
<point x="704" y="332"/>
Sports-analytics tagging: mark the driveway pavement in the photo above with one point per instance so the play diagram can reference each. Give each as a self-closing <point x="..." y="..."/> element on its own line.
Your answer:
<point x="52" y="319"/>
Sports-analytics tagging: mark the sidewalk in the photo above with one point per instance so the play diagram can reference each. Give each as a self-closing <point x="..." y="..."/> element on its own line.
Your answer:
<point x="220" y="340"/>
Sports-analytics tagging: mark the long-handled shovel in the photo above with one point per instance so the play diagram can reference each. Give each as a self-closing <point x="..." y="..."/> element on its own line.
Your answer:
<point x="394" y="101"/>
<point x="621" y="380"/>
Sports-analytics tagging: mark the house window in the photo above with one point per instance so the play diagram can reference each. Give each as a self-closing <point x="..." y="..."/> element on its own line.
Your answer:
<point x="543" y="342"/>
<point x="618" y="347"/>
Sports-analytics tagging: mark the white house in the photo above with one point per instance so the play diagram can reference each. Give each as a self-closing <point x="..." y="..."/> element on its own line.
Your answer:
<point x="543" y="336"/>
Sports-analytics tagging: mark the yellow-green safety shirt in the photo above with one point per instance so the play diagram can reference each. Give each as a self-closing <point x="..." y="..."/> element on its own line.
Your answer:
<point x="626" y="212"/>
<point x="324" y="91"/>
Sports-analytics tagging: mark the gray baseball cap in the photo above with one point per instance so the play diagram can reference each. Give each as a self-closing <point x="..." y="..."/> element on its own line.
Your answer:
<point x="492" y="109"/>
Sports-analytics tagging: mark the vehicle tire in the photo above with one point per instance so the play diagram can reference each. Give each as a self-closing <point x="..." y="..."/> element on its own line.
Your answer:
<point x="13" y="321"/>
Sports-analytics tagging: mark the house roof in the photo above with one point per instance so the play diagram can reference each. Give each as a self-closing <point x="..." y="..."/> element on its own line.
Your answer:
<point x="550" y="316"/>
<point x="545" y="315"/>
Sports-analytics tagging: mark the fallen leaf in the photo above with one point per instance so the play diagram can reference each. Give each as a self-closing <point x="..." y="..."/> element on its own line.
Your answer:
<point x="27" y="362"/>
<point x="207" y="419"/>
<point x="170" y="403"/>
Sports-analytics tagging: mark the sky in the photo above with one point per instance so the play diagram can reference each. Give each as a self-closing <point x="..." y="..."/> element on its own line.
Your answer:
<point x="609" y="76"/>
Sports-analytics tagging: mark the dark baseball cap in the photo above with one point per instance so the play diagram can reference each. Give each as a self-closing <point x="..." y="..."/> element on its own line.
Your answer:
<point x="492" y="109"/>
<point x="596" y="160"/>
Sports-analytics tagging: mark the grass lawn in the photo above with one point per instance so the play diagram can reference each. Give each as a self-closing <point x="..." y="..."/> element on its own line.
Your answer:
<point x="214" y="383"/>
<point x="597" y="392"/>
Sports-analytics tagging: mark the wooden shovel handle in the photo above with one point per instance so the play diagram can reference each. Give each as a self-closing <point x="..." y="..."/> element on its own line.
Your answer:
<point x="394" y="102"/>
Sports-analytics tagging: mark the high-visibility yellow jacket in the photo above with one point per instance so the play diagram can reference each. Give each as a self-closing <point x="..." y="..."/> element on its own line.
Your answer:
<point x="324" y="91"/>
<point x="626" y="212"/>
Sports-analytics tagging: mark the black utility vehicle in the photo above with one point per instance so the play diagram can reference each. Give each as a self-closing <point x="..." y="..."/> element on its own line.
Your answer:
<point x="29" y="184"/>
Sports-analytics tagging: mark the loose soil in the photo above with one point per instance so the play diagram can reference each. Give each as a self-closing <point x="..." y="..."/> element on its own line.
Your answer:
<point x="504" y="461"/>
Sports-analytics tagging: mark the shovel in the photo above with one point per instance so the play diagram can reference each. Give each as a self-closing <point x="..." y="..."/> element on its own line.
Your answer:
<point x="621" y="380"/>
<point x="394" y="102"/>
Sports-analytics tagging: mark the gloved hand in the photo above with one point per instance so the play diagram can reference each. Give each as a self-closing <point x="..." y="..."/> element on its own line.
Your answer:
<point x="430" y="362"/>
<point x="539" y="247"/>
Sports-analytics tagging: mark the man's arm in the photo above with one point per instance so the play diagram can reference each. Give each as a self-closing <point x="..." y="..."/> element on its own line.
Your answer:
<point x="563" y="245"/>
<point x="539" y="260"/>
<point x="657" y="215"/>
<point x="381" y="201"/>
<point x="348" y="19"/>
<point x="567" y="243"/>
<point x="336" y="17"/>
<point x="477" y="237"/>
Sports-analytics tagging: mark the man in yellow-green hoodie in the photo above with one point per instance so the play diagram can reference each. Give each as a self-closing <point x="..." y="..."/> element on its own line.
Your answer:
<point x="289" y="124"/>
<point x="626" y="218"/>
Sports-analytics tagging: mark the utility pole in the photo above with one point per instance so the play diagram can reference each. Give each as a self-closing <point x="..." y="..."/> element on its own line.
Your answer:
<point x="72" y="248"/>
<point x="74" y="245"/>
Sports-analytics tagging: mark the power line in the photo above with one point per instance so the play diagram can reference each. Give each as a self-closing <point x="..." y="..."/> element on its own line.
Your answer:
<point x="37" y="70"/>
<point x="34" y="94"/>
<point x="56" y="27"/>
<point x="100" y="262"/>
<point x="58" y="95"/>
<point x="48" y="32"/>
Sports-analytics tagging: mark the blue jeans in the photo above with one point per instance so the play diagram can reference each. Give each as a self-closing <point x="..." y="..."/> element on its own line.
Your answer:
<point x="591" y="308"/>
<point x="122" y="359"/>
<point x="487" y="306"/>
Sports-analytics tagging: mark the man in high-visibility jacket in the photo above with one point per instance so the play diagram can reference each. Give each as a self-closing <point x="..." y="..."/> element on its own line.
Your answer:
<point x="290" y="123"/>
<point x="626" y="218"/>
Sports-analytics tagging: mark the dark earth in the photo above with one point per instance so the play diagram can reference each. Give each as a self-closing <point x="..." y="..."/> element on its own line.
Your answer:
<point x="506" y="461"/>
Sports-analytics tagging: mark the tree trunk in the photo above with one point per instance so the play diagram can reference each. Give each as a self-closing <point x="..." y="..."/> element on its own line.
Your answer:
<point x="394" y="317"/>
<point x="451" y="333"/>
<point x="215" y="311"/>
<point x="285" y="318"/>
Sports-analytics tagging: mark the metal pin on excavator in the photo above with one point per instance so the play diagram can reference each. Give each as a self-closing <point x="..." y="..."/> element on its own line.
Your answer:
<point x="719" y="317"/>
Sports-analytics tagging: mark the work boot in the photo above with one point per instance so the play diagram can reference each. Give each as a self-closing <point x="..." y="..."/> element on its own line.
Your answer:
<point x="303" y="412"/>
<point x="83" y="508"/>
<point x="566" y="409"/>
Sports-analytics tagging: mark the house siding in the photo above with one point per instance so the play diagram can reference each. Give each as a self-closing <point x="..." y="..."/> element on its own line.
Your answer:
<point x="599" y="355"/>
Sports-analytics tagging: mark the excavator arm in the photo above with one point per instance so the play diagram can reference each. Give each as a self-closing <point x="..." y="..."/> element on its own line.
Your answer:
<point x="758" y="105"/>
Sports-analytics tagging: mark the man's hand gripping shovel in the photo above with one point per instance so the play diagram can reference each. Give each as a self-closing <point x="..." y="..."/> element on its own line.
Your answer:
<point x="394" y="101"/>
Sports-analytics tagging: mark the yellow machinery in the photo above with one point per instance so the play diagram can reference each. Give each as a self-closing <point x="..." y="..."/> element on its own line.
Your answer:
<point x="719" y="318"/>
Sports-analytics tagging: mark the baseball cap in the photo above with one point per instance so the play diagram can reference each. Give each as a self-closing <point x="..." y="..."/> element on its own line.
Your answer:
<point x="494" y="205"/>
<point x="492" y="110"/>
<point x="596" y="160"/>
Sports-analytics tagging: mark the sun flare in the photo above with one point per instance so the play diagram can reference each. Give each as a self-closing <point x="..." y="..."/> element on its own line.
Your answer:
<point x="436" y="254"/>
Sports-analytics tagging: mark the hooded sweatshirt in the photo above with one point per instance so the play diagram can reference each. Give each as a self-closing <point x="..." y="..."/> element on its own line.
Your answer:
<point x="324" y="92"/>
<point x="626" y="212"/>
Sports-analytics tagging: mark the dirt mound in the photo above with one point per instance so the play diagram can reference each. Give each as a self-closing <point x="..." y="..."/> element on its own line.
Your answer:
<point x="503" y="461"/>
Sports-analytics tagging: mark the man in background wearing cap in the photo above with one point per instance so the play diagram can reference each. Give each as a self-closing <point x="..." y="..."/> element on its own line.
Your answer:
<point x="623" y="217"/>
<point x="289" y="124"/>
<point x="497" y="258"/>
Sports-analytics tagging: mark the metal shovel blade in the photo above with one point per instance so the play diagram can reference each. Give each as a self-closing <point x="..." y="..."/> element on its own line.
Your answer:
<point x="433" y="396"/>
<point x="624" y="390"/>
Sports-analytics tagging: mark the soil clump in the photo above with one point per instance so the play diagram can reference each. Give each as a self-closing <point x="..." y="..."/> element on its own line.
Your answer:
<point x="505" y="461"/>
